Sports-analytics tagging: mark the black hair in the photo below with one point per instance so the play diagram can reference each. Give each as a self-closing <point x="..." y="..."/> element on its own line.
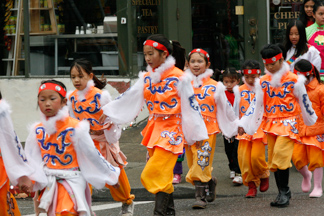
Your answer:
<point x="302" y="15"/>
<point x="180" y="54"/>
<point x="0" y="96"/>
<point x="55" y="82"/>
<point x="86" y="65"/>
<point x="231" y="73"/>
<point x="318" y="3"/>
<point x="202" y="55"/>
<point x="251" y="64"/>
<point x="271" y="50"/>
<point x="174" y="48"/>
<point x="301" y="46"/>
<point x="304" y="65"/>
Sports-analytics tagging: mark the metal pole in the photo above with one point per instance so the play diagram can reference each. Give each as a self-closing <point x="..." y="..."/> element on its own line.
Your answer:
<point x="26" y="37"/>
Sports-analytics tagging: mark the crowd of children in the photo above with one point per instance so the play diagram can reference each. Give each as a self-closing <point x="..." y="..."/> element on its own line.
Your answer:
<point x="75" y="146"/>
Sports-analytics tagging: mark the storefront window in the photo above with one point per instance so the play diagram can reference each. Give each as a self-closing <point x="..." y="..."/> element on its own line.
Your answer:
<point x="148" y="21"/>
<point x="60" y="32"/>
<point x="215" y="28"/>
<point x="281" y="12"/>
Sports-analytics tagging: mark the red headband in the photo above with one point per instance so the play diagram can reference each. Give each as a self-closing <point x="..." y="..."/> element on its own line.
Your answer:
<point x="156" y="45"/>
<point x="200" y="51"/>
<point x="273" y="59"/>
<point x="251" y="71"/>
<point x="306" y="73"/>
<point x="54" y="87"/>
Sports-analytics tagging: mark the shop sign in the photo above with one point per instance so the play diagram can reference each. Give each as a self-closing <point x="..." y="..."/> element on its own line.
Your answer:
<point x="281" y="13"/>
<point x="146" y="11"/>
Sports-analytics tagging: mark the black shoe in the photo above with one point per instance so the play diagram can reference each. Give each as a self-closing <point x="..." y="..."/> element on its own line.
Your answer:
<point x="170" y="208"/>
<point x="211" y="196"/>
<point x="161" y="203"/>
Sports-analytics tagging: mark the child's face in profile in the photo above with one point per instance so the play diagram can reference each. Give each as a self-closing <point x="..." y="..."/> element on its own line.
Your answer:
<point x="274" y="67"/>
<point x="50" y="102"/>
<point x="230" y="82"/>
<point x="250" y="78"/>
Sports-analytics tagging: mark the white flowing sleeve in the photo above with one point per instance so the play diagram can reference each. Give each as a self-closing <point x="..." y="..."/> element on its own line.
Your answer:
<point x="105" y="98"/>
<point x="237" y="100"/>
<point x="314" y="57"/>
<point x="13" y="154"/>
<point x="114" y="132"/>
<point x="309" y="115"/>
<point x="34" y="156"/>
<point x="252" y="119"/>
<point x="69" y="104"/>
<point x="128" y="105"/>
<point x="193" y="125"/>
<point x="226" y="117"/>
<point x="95" y="169"/>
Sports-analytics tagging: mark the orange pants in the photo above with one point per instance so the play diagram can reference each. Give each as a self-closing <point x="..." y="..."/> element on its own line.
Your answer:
<point x="8" y="203"/>
<point x="122" y="193"/>
<point x="307" y="154"/>
<point x="157" y="175"/>
<point x="200" y="160"/>
<point x="280" y="150"/>
<point x="252" y="161"/>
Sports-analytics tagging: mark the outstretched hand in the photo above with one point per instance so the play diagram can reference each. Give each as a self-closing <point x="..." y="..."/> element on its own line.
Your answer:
<point x="240" y="131"/>
<point x="25" y="184"/>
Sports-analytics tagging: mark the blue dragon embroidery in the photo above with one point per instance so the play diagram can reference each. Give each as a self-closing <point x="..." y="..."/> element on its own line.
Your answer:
<point x="59" y="150"/>
<point x="96" y="101"/>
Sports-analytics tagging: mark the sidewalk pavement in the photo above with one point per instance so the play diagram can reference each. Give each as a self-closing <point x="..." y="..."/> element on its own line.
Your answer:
<point x="136" y="157"/>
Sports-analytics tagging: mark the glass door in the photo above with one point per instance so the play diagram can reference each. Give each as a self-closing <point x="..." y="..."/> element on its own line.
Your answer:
<point x="217" y="29"/>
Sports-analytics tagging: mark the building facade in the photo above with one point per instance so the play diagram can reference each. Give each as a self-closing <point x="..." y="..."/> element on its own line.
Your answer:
<point x="111" y="33"/>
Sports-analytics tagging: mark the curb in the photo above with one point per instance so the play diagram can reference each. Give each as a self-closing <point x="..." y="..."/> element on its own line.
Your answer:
<point x="141" y="194"/>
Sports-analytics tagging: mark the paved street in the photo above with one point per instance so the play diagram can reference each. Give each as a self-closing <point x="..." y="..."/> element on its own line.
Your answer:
<point x="230" y="199"/>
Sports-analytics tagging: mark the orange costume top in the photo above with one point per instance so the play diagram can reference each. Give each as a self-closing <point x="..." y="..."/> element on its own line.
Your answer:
<point x="314" y="135"/>
<point x="280" y="99"/>
<point x="246" y="96"/>
<point x="57" y="150"/>
<point x="86" y="105"/>
<point x="174" y="112"/>
<point x="64" y="151"/>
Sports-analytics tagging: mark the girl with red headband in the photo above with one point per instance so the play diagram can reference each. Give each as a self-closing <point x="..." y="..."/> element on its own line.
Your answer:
<point x="85" y="102"/>
<point x="251" y="148"/>
<point x="64" y="151"/>
<point x="280" y="98"/>
<point x="310" y="151"/>
<point x="174" y="118"/>
<point x="218" y="116"/>
<point x="14" y="165"/>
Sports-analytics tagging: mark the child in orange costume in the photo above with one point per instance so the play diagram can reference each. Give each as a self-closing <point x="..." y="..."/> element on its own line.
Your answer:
<point x="85" y="103"/>
<point x="174" y="119"/>
<point x="280" y="96"/>
<point x="311" y="149"/>
<point x="14" y="165"/>
<point x="63" y="150"/>
<point x="251" y="149"/>
<point x="218" y="116"/>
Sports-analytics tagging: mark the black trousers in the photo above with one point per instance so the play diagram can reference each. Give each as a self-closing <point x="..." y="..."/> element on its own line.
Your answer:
<point x="231" y="147"/>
